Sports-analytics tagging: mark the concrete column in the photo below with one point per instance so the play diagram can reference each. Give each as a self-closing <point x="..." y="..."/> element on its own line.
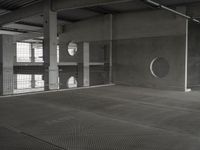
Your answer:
<point x="15" y="52"/>
<point x="186" y="60"/>
<point x="50" y="47"/>
<point x="32" y="54"/>
<point x="108" y="54"/>
<point x="15" y="81"/>
<point x="84" y="64"/>
<point x="107" y="68"/>
<point x="110" y="50"/>
<point x="32" y="81"/>
<point x="6" y="64"/>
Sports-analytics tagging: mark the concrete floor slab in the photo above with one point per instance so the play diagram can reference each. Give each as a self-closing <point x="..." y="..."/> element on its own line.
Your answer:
<point x="107" y="118"/>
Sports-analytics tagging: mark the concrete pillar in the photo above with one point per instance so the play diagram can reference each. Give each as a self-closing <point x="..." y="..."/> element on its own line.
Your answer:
<point x="15" y="81"/>
<point x="111" y="50"/>
<point x="6" y="64"/>
<point x="107" y="68"/>
<point x="186" y="59"/>
<point x="15" y="52"/>
<point x="32" y="54"/>
<point x="33" y="81"/>
<point x="50" y="47"/>
<point x="84" y="64"/>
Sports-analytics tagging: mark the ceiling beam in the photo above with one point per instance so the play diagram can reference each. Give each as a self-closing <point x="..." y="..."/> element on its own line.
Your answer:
<point x="22" y="13"/>
<point x="60" y="5"/>
<point x="9" y="32"/>
<point x="160" y="6"/>
<point x="26" y="36"/>
<point x="57" y="5"/>
<point x="102" y="10"/>
<point x="22" y="26"/>
<point x="3" y="11"/>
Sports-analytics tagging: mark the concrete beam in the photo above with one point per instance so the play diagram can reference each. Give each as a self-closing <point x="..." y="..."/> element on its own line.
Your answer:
<point x="27" y="36"/>
<point x="23" y="27"/>
<point x="60" y="5"/>
<point x="22" y="13"/>
<point x="3" y="11"/>
<point x="7" y="32"/>
<point x="57" y="5"/>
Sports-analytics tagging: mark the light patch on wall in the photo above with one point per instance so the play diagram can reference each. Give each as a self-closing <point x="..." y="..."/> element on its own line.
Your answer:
<point x="159" y="67"/>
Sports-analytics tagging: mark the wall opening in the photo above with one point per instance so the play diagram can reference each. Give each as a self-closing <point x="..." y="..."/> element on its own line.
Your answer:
<point x="72" y="49"/>
<point x="159" y="67"/>
<point x="72" y="82"/>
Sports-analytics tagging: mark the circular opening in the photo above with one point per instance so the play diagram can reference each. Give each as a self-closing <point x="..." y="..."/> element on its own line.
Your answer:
<point x="159" y="67"/>
<point x="72" y="82"/>
<point x="72" y="49"/>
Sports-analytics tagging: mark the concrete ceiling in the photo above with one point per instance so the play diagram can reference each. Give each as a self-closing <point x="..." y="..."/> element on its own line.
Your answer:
<point x="85" y="13"/>
<point x="73" y="15"/>
<point x="16" y="4"/>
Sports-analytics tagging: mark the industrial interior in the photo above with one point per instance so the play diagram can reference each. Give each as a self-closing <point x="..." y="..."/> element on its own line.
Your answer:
<point x="100" y="75"/>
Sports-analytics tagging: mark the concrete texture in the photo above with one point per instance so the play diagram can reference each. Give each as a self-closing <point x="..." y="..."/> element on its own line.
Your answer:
<point x="6" y="64"/>
<point x="132" y="59"/>
<point x="106" y="118"/>
<point x="147" y="24"/>
<point x="99" y="75"/>
<point x="98" y="61"/>
<point x="21" y="141"/>
<point x="96" y="29"/>
<point x="50" y="47"/>
<point x="193" y="55"/>
<point x="138" y="38"/>
<point x="64" y="75"/>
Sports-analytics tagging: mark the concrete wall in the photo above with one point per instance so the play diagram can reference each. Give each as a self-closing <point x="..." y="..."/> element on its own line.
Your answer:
<point x="194" y="55"/>
<point x="132" y="59"/>
<point x="99" y="47"/>
<point x="64" y="75"/>
<point x="98" y="72"/>
<point x="141" y="37"/>
<point x="98" y="75"/>
<point x="137" y="39"/>
<point x="96" y="29"/>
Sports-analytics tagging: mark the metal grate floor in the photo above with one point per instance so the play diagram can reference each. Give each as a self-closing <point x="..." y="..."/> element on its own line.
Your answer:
<point x="106" y="118"/>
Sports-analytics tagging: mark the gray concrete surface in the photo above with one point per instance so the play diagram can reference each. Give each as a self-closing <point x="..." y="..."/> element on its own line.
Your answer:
<point x="193" y="56"/>
<point x="6" y="64"/>
<point x="132" y="59"/>
<point x="50" y="47"/>
<point x="98" y="61"/>
<point x="138" y="38"/>
<point x="107" y="118"/>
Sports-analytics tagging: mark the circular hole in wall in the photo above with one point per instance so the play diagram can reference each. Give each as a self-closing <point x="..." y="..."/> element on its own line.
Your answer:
<point x="72" y="82"/>
<point x="72" y="48"/>
<point x="159" y="67"/>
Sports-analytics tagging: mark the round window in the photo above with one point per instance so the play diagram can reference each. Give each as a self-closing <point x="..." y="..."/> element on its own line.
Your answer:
<point x="72" y="49"/>
<point x="72" y="82"/>
<point x="159" y="67"/>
